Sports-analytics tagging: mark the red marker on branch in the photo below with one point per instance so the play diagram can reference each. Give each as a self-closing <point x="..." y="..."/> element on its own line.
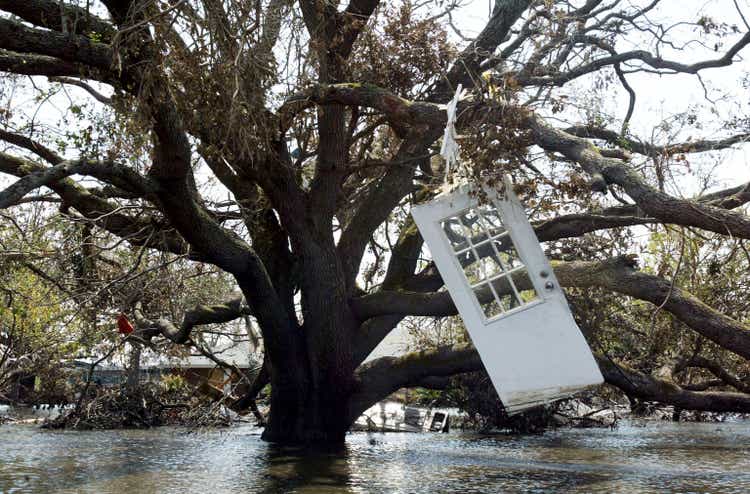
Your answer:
<point x="123" y="325"/>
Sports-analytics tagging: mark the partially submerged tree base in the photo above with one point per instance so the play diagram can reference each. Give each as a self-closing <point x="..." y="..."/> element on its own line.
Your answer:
<point x="142" y="407"/>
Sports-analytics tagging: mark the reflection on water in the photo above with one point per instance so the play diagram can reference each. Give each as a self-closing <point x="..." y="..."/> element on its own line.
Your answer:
<point x="657" y="457"/>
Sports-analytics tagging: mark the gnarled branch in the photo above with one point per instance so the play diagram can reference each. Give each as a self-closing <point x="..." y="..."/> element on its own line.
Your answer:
<point x="113" y="173"/>
<point x="32" y="64"/>
<point x="198" y="316"/>
<point x="616" y="275"/>
<point x="16" y="37"/>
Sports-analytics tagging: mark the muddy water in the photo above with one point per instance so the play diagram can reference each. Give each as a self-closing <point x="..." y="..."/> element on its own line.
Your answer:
<point x="656" y="457"/>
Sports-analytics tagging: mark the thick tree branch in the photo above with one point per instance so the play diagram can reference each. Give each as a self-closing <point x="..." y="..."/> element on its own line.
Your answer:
<point x="119" y="10"/>
<point x="59" y="16"/>
<point x="739" y="197"/>
<point x="351" y="22"/>
<point x="137" y="231"/>
<point x="16" y="37"/>
<point x="399" y="111"/>
<point x="466" y="69"/>
<point x="617" y="275"/>
<point x="670" y="209"/>
<point x="637" y="146"/>
<point x="717" y="370"/>
<point x="704" y="385"/>
<point x="380" y="200"/>
<point x="31" y="64"/>
<point x="652" y="202"/>
<point x="381" y="377"/>
<point x="647" y="388"/>
<point x="35" y="147"/>
<point x="117" y="175"/>
<point x="198" y="316"/>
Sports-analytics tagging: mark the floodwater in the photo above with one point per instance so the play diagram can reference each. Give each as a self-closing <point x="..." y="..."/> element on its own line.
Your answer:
<point x="655" y="457"/>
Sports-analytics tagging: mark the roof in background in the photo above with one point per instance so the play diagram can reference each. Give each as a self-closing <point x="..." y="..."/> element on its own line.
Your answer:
<point x="236" y="353"/>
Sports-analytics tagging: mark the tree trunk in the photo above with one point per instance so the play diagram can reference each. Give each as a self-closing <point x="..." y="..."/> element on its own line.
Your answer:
<point x="134" y="368"/>
<point x="317" y="417"/>
<point x="311" y="393"/>
<point x="306" y="413"/>
<point x="314" y="408"/>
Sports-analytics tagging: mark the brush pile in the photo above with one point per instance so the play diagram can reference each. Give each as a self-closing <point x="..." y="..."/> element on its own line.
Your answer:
<point x="145" y="406"/>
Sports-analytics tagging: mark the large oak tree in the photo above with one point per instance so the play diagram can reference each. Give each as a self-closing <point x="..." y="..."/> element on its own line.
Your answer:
<point x="322" y="122"/>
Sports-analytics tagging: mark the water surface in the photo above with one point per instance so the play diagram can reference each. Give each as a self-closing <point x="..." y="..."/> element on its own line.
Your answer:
<point x="655" y="457"/>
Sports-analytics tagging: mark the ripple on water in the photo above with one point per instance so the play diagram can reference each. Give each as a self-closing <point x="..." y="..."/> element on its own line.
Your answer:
<point x="663" y="457"/>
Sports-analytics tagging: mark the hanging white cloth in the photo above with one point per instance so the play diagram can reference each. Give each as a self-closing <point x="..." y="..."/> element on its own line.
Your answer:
<point x="449" y="148"/>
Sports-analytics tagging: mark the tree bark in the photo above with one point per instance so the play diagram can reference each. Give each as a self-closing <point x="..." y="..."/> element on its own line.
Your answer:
<point x="134" y="368"/>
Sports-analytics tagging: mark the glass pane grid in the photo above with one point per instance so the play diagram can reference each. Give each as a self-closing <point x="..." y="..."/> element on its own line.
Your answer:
<point x="471" y="234"/>
<point x="499" y="276"/>
<point x="472" y="227"/>
<point x="510" y="276"/>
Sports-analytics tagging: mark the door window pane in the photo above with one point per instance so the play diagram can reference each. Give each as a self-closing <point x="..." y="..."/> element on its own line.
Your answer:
<point x="489" y="267"/>
<point x="454" y="232"/>
<point x="475" y="229"/>
<point x="491" y="307"/>
<point x="491" y="219"/>
<point x="525" y="288"/>
<point x="507" y="252"/>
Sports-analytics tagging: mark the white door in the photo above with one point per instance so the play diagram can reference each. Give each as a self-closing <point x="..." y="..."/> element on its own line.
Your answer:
<point x="508" y="297"/>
